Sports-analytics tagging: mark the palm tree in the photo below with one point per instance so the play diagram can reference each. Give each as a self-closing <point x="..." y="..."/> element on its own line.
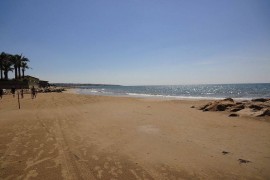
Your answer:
<point x="2" y="58"/>
<point x="24" y="67"/>
<point x="9" y="62"/>
<point x="22" y="59"/>
<point x="7" y="65"/>
<point x="16" y="61"/>
<point x="1" y="65"/>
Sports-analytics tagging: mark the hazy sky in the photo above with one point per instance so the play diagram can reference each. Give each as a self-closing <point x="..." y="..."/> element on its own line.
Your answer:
<point x="137" y="42"/>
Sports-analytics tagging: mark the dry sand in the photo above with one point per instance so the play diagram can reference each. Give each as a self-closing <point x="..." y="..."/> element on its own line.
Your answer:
<point x="71" y="136"/>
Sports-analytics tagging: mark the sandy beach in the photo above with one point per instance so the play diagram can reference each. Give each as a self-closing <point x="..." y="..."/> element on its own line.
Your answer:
<point x="72" y="136"/>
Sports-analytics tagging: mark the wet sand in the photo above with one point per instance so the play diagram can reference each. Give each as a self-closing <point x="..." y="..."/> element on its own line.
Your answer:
<point x="71" y="136"/>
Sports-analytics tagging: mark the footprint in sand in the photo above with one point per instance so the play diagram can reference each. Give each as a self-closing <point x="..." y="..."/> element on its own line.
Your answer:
<point x="24" y="152"/>
<point x="149" y="129"/>
<point x="99" y="171"/>
<point x="32" y="173"/>
<point x="106" y="165"/>
<point x="113" y="171"/>
<point x="109" y="158"/>
<point x="95" y="157"/>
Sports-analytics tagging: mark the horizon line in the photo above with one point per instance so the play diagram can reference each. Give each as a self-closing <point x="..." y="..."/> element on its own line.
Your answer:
<point x="162" y="84"/>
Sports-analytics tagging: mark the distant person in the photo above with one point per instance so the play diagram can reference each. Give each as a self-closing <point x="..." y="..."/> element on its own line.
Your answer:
<point x="21" y="92"/>
<point x="1" y="92"/>
<point x="33" y="92"/>
<point x="36" y="91"/>
<point x="13" y="91"/>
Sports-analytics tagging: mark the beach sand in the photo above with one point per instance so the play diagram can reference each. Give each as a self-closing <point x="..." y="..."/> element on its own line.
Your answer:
<point x="72" y="136"/>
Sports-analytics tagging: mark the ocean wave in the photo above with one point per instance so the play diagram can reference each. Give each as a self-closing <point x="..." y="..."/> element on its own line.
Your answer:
<point x="159" y="96"/>
<point x="172" y="97"/>
<point x="203" y="92"/>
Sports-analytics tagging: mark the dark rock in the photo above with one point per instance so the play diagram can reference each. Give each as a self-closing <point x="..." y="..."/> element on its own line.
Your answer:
<point x="224" y="106"/>
<point x="264" y="112"/>
<point x="221" y="107"/>
<point x="211" y="107"/>
<point x="233" y="115"/>
<point x="192" y="107"/>
<point x="225" y="152"/>
<point x="255" y="107"/>
<point x="217" y="106"/>
<point x="260" y="100"/>
<point x="228" y="99"/>
<point x="204" y="106"/>
<point x="243" y="161"/>
<point x="236" y="108"/>
<point x="242" y="106"/>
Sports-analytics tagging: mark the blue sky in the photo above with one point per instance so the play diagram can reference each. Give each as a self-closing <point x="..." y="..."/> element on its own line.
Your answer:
<point x="138" y="42"/>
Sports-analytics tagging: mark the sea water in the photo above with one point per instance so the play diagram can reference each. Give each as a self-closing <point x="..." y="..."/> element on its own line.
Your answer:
<point x="205" y="91"/>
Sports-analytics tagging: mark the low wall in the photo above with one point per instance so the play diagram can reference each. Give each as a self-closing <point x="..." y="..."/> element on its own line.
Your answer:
<point x="16" y="84"/>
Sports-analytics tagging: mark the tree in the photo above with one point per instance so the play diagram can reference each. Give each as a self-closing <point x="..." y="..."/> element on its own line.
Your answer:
<point x="3" y="56"/>
<point x="7" y="65"/>
<point x="10" y="62"/>
<point x="24" y="67"/>
<point x="22" y="60"/>
<point x="16" y="61"/>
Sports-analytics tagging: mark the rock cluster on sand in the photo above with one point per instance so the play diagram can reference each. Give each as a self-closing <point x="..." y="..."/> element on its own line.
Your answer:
<point x="51" y="89"/>
<point x="255" y="107"/>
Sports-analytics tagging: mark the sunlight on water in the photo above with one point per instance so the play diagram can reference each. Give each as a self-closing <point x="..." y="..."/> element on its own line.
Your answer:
<point x="239" y="91"/>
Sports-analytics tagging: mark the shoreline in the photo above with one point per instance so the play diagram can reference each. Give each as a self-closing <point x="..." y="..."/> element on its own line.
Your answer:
<point x="73" y="136"/>
<point x="204" y="103"/>
<point x="150" y="96"/>
<point x="154" y="97"/>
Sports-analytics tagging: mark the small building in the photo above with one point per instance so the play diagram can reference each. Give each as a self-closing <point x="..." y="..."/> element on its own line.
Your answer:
<point x="32" y="81"/>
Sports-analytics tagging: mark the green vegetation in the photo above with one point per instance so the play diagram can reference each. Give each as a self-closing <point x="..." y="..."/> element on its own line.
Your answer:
<point x="16" y="63"/>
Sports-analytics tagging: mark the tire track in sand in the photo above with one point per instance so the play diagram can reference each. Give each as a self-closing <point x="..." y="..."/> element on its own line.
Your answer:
<point x="71" y="168"/>
<point x="103" y="164"/>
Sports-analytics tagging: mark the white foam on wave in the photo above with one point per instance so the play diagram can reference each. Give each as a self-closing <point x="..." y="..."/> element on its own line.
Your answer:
<point x="172" y="97"/>
<point x="182" y="97"/>
<point x="91" y="91"/>
<point x="158" y="96"/>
